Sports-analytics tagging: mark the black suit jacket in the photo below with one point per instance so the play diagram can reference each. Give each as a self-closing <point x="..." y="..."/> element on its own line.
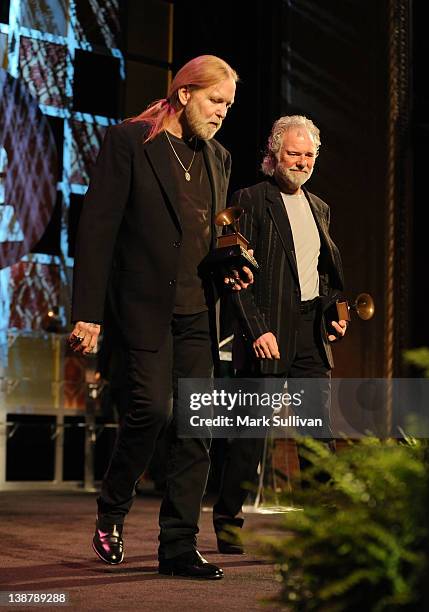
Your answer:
<point x="129" y="234"/>
<point x="272" y="302"/>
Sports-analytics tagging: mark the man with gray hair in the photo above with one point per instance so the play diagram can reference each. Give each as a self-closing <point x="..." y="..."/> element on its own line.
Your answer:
<point x="281" y="327"/>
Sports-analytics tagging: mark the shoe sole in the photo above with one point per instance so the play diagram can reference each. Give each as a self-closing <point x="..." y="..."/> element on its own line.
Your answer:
<point x="179" y="575"/>
<point x="105" y="560"/>
<point x="172" y="572"/>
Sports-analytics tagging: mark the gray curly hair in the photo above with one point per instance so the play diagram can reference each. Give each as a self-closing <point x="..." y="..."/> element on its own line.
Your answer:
<point x="276" y="138"/>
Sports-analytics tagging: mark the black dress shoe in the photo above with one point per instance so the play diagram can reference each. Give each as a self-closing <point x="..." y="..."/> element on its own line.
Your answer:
<point x="108" y="543"/>
<point x="229" y="543"/>
<point x="228" y="539"/>
<point x="190" y="565"/>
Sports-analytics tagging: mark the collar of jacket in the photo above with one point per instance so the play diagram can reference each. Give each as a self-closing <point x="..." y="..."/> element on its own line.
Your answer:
<point x="277" y="211"/>
<point x="155" y="151"/>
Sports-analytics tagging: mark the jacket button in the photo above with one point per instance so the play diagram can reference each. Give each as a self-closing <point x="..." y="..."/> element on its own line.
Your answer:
<point x="177" y="244"/>
<point x="172" y="282"/>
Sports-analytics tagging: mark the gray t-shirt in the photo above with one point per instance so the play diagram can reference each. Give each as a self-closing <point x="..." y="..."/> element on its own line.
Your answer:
<point x="306" y="241"/>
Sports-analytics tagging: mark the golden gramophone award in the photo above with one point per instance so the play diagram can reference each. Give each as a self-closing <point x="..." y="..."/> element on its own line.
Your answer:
<point x="339" y="308"/>
<point x="363" y="306"/>
<point x="232" y="248"/>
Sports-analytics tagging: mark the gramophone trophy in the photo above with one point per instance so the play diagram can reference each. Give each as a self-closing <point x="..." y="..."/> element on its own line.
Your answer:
<point x="231" y="251"/>
<point x="363" y="306"/>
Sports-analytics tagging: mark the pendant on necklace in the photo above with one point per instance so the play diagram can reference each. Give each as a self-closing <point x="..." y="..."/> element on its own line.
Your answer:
<point x="187" y="176"/>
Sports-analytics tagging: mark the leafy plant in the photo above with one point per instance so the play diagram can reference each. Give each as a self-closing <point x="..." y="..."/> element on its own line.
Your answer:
<point x="359" y="542"/>
<point x="418" y="357"/>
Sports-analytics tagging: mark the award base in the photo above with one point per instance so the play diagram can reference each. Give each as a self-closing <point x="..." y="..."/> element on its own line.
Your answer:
<point x="340" y="309"/>
<point x="233" y="256"/>
<point x="343" y="310"/>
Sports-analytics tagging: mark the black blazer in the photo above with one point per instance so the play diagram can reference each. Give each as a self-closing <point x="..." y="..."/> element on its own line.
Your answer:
<point x="272" y="302"/>
<point x="129" y="234"/>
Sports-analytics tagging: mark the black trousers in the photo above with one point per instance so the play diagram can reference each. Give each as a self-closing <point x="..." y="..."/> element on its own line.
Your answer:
<point x="244" y="454"/>
<point x="152" y="393"/>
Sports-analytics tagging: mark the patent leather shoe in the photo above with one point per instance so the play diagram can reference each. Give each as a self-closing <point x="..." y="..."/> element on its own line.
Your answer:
<point x="108" y="543"/>
<point x="190" y="565"/>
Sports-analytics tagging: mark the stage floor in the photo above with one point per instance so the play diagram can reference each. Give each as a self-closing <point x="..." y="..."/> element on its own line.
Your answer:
<point x="46" y="547"/>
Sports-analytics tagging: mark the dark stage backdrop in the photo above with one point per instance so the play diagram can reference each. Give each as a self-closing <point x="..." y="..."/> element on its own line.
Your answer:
<point x="419" y="137"/>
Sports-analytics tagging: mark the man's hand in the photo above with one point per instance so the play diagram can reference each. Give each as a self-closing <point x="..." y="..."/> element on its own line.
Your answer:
<point x="84" y="337"/>
<point x="235" y="281"/>
<point x="340" y="329"/>
<point x="265" y="347"/>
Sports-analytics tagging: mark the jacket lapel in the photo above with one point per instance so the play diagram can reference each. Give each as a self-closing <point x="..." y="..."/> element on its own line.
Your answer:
<point x="277" y="211"/>
<point x="319" y="219"/>
<point x="155" y="151"/>
<point x="322" y="226"/>
<point x="217" y="184"/>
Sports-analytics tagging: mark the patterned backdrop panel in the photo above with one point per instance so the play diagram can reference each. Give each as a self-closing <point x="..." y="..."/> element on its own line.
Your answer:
<point x="43" y="67"/>
<point x="35" y="290"/>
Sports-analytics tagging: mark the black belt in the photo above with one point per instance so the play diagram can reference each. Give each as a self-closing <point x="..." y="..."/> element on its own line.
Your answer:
<point x="308" y="306"/>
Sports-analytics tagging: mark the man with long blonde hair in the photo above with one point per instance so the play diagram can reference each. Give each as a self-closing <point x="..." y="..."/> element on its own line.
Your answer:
<point x="146" y="225"/>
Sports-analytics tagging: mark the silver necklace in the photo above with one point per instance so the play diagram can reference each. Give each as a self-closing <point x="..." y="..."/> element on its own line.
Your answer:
<point x="187" y="175"/>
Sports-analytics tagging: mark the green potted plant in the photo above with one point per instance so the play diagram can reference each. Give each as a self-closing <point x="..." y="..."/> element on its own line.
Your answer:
<point x="360" y="540"/>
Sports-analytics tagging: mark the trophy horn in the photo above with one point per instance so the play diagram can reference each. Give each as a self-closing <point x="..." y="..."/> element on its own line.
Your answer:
<point x="232" y="248"/>
<point x="229" y="216"/>
<point x="364" y="306"/>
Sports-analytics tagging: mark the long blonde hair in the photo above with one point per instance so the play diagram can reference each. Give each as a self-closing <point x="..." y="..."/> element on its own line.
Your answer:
<point x="201" y="72"/>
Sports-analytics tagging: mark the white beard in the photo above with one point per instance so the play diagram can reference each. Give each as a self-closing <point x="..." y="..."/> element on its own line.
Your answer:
<point x="292" y="178"/>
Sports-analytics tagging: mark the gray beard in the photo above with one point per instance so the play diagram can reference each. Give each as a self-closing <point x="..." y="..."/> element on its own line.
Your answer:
<point x="292" y="179"/>
<point x="197" y="127"/>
